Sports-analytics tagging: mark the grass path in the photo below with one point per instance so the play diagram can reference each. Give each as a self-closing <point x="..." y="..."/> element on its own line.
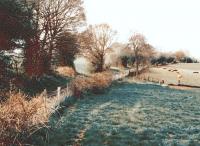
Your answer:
<point x="128" y="115"/>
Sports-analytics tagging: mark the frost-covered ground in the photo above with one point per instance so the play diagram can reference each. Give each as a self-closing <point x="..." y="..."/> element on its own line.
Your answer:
<point x="128" y="115"/>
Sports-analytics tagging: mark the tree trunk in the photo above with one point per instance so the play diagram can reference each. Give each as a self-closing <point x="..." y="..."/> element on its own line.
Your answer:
<point x="34" y="65"/>
<point x="100" y="67"/>
<point x="136" y="63"/>
<point x="137" y="68"/>
<point x="4" y="42"/>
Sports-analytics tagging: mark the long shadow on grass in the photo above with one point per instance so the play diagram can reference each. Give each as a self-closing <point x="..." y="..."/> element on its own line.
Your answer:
<point x="129" y="114"/>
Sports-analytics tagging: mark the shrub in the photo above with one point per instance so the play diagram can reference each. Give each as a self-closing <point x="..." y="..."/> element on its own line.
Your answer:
<point x="171" y="59"/>
<point x="154" y="61"/>
<point x="187" y="60"/>
<point x="66" y="71"/>
<point x="161" y="60"/>
<point x="96" y="83"/>
<point x="124" y="60"/>
<point x="101" y="80"/>
<point x="20" y="117"/>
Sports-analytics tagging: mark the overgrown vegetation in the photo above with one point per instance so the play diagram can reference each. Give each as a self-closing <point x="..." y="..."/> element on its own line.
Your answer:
<point x="20" y="117"/>
<point x="31" y="114"/>
<point x="95" y="83"/>
<point x="66" y="71"/>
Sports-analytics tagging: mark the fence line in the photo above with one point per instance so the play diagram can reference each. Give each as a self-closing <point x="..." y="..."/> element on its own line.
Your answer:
<point x="53" y="99"/>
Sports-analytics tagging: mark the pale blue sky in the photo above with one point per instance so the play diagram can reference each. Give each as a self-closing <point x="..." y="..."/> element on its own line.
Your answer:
<point x="168" y="25"/>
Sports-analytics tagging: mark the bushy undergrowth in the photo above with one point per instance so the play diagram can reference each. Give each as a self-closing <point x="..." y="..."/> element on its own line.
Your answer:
<point x="66" y="71"/>
<point x="20" y="117"/>
<point x="31" y="87"/>
<point x="95" y="83"/>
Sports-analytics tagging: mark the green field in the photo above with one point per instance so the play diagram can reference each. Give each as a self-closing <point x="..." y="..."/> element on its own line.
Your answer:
<point x="127" y="115"/>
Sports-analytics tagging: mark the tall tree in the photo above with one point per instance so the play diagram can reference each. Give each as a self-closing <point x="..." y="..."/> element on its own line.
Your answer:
<point x="95" y="43"/>
<point x="141" y="49"/>
<point x="15" y="26"/>
<point x="148" y="53"/>
<point x="67" y="48"/>
<point x="136" y="43"/>
<point x="15" y="23"/>
<point x="53" y="18"/>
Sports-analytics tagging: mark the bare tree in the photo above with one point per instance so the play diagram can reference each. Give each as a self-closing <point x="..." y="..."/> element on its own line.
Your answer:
<point x="67" y="48"/>
<point x="52" y="17"/>
<point x="57" y="16"/>
<point x="95" y="42"/>
<point x="148" y="53"/>
<point x="136" y="42"/>
<point x="141" y="49"/>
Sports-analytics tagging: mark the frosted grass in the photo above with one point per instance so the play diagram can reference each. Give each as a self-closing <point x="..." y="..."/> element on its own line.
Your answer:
<point x="129" y="115"/>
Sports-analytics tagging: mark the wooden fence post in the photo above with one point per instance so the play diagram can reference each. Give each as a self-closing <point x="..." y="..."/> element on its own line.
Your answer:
<point x="44" y="100"/>
<point x="58" y="92"/>
<point x="67" y="90"/>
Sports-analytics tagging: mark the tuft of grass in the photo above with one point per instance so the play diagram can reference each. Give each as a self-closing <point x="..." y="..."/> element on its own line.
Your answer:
<point x="95" y="83"/>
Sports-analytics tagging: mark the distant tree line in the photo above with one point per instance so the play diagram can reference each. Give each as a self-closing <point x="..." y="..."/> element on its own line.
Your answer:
<point x="138" y="53"/>
<point x="177" y="57"/>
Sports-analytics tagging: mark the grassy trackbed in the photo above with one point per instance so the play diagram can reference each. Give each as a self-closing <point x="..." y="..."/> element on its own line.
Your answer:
<point x="128" y="115"/>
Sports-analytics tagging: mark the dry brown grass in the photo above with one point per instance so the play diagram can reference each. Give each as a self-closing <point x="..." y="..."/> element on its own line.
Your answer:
<point x="95" y="83"/>
<point x="102" y="80"/>
<point x="17" y="116"/>
<point x="20" y="117"/>
<point x="66" y="71"/>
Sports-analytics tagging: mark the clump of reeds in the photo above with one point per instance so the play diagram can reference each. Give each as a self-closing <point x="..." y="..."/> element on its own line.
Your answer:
<point x="95" y="83"/>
